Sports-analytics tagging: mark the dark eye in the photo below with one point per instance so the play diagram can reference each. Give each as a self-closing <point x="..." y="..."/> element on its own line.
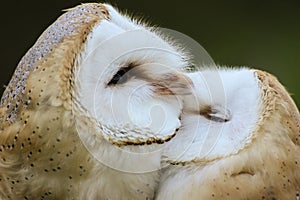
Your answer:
<point x="118" y="78"/>
<point x="122" y="75"/>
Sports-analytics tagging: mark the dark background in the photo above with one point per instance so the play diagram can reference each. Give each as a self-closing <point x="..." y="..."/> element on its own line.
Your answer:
<point x="256" y="33"/>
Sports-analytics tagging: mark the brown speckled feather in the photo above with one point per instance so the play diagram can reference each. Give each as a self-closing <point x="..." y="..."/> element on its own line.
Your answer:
<point x="37" y="132"/>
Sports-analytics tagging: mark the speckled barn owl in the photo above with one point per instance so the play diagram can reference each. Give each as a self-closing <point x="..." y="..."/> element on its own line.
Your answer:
<point x="240" y="139"/>
<point x="94" y="94"/>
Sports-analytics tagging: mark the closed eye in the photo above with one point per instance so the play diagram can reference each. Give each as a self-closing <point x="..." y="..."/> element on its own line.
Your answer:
<point x="122" y="76"/>
<point x="217" y="114"/>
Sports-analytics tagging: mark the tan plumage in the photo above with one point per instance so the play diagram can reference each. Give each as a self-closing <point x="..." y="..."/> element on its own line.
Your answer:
<point x="266" y="167"/>
<point x="51" y="141"/>
<point x="42" y="154"/>
<point x="37" y="104"/>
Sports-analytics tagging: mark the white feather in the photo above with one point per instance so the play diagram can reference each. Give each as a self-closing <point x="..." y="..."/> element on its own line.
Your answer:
<point x="233" y="93"/>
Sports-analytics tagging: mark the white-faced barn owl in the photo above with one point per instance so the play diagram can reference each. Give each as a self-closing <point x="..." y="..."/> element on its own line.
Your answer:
<point x="239" y="139"/>
<point x="95" y="91"/>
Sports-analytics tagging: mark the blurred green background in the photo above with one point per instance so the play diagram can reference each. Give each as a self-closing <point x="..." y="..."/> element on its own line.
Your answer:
<point x="257" y="33"/>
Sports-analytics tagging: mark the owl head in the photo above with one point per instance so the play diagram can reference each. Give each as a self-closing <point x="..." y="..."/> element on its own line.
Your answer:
<point x="239" y="139"/>
<point x="113" y="69"/>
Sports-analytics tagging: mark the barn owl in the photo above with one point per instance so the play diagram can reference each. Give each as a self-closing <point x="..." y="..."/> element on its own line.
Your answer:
<point x="239" y="139"/>
<point x="95" y="94"/>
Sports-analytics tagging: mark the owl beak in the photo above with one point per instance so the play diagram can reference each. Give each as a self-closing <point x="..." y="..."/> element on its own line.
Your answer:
<point x="175" y="83"/>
